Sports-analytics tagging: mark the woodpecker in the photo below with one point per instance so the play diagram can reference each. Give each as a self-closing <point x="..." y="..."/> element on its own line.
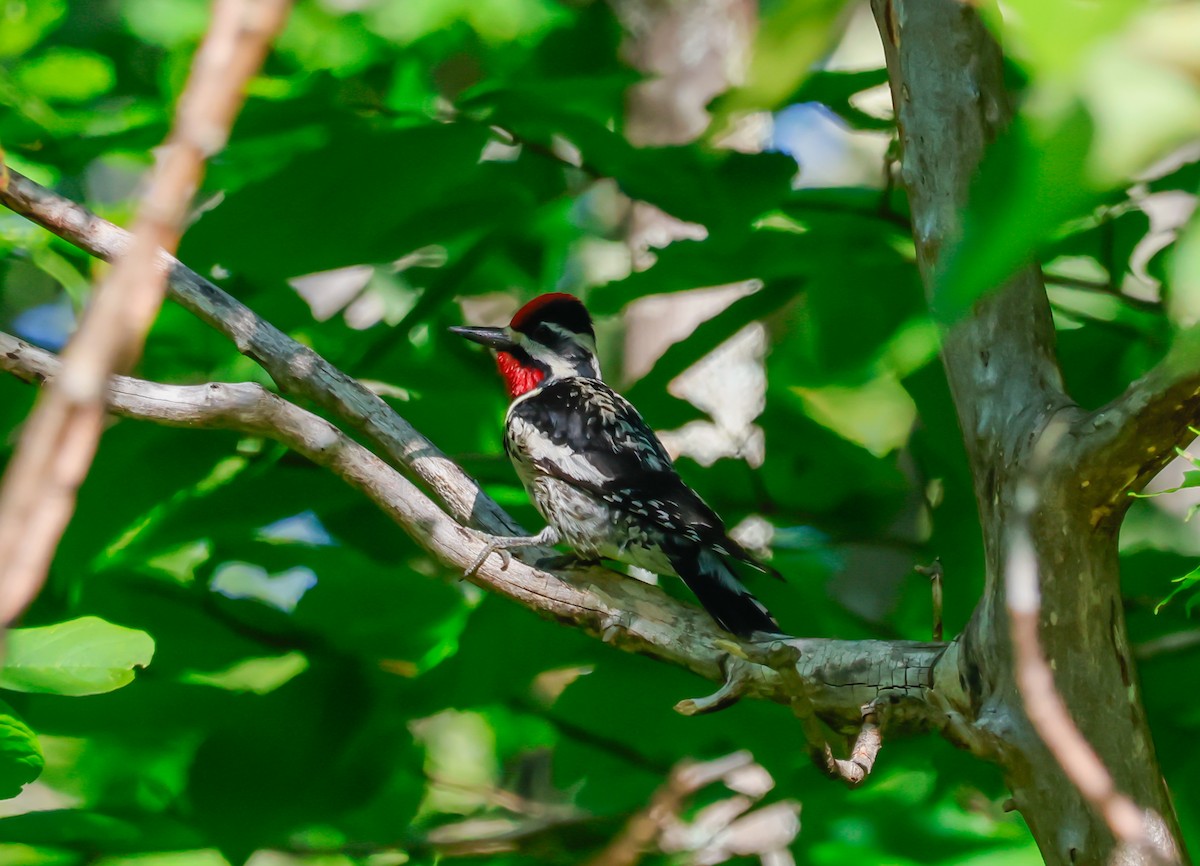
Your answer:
<point x="597" y="473"/>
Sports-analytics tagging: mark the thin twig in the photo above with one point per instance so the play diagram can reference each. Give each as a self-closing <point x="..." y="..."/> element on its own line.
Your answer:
<point x="867" y="743"/>
<point x="1179" y="641"/>
<point x="643" y="830"/>
<point x="59" y="440"/>
<point x="785" y="657"/>
<point x="1105" y="287"/>
<point x="934" y="572"/>
<point x="739" y="674"/>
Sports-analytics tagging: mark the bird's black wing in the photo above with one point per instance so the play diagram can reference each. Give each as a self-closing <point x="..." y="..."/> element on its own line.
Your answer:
<point x="588" y="435"/>
<point x="580" y="429"/>
<point x="583" y="433"/>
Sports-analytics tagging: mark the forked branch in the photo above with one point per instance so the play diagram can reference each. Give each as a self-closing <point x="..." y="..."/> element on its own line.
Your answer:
<point x="1141" y="833"/>
<point x="1124" y="444"/>
<point x="838" y="676"/>
<point x="295" y="368"/>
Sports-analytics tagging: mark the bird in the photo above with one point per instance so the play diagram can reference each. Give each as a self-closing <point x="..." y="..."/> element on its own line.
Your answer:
<point x="596" y="471"/>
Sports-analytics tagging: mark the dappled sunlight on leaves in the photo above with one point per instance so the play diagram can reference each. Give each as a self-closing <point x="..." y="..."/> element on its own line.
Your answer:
<point x="238" y="659"/>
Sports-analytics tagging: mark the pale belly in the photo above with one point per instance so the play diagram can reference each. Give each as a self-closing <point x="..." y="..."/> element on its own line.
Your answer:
<point x="592" y="528"/>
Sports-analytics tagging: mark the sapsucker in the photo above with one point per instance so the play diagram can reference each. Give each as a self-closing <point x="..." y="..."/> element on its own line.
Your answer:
<point x="596" y="471"/>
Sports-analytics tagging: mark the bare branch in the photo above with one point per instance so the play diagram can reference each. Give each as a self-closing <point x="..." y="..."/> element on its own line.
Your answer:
<point x="295" y="368"/>
<point x="634" y="617"/>
<point x="1178" y="641"/>
<point x="855" y="769"/>
<point x="935" y="572"/>
<point x="59" y="440"/>
<point x="1136" y="831"/>
<point x="1105" y="287"/>
<point x="720" y="830"/>
<point x="1123" y="445"/>
<point x="644" y="828"/>
<point x="839" y="677"/>
<point x="739" y="674"/>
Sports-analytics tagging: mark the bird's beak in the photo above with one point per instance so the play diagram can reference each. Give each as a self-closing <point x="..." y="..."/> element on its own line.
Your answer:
<point x="496" y="338"/>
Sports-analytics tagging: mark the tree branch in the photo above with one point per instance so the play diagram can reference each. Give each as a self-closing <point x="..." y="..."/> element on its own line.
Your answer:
<point x="947" y="81"/>
<point x="662" y="815"/>
<point x="839" y="677"/>
<point x="59" y="440"/>
<point x="1103" y="288"/>
<point x="1123" y="445"/>
<point x="295" y="368"/>
<point x="1141" y="833"/>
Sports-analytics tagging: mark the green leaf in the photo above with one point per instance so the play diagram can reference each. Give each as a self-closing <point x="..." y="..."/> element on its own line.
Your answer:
<point x="1183" y="300"/>
<point x="22" y="25"/>
<point x="713" y="188"/>
<point x="1030" y="183"/>
<point x="166" y="22"/>
<point x="712" y="333"/>
<point x="1187" y="583"/>
<point x="492" y="20"/>
<point x="721" y="258"/>
<point x="68" y="827"/>
<point x="999" y="856"/>
<point x="20" y="754"/>
<point x="877" y="415"/>
<point x="195" y="857"/>
<point x="403" y="620"/>
<point x="1191" y="478"/>
<point x="67" y="75"/>
<point x="790" y="40"/>
<point x="257" y="675"/>
<point x="15" y="854"/>
<point x="427" y="186"/>
<point x="834" y="89"/>
<point x="85" y="656"/>
<point x="1054" y="35"/>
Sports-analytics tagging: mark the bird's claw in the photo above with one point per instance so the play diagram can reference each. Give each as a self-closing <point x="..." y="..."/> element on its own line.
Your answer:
<point x="492" y="547"/>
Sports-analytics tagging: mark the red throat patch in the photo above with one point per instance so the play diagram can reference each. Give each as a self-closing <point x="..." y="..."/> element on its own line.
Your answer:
<point x="519" y="378"/>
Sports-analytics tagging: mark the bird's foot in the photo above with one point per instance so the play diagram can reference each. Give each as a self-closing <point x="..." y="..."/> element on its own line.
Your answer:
<point x="490" y="548"/>
<point x="501" y="543"/>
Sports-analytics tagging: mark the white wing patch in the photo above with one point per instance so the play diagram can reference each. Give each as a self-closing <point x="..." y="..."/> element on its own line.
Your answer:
<point x="535" y="447"/>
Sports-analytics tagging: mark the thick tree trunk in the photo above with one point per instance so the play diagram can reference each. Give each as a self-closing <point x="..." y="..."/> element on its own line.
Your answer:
<point x="1083" y="636"/>
<point x="947" y="86"/>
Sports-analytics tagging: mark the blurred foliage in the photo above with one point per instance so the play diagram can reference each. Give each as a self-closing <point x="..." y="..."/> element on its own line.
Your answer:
<point x="236" y="654"/>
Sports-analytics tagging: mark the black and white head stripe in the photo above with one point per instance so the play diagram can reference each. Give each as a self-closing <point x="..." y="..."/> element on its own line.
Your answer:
<point x="555" y="330"/>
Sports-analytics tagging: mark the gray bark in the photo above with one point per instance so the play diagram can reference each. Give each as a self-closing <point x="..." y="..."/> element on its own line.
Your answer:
<point x="947" y="87"/>
<point x="830" y="679"/>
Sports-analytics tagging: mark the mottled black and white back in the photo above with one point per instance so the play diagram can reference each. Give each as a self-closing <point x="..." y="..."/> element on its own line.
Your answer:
<point x="597" y="473"/>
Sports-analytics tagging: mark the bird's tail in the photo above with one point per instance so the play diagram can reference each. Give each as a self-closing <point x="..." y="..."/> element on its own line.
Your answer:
<point x="724" y="597"/>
